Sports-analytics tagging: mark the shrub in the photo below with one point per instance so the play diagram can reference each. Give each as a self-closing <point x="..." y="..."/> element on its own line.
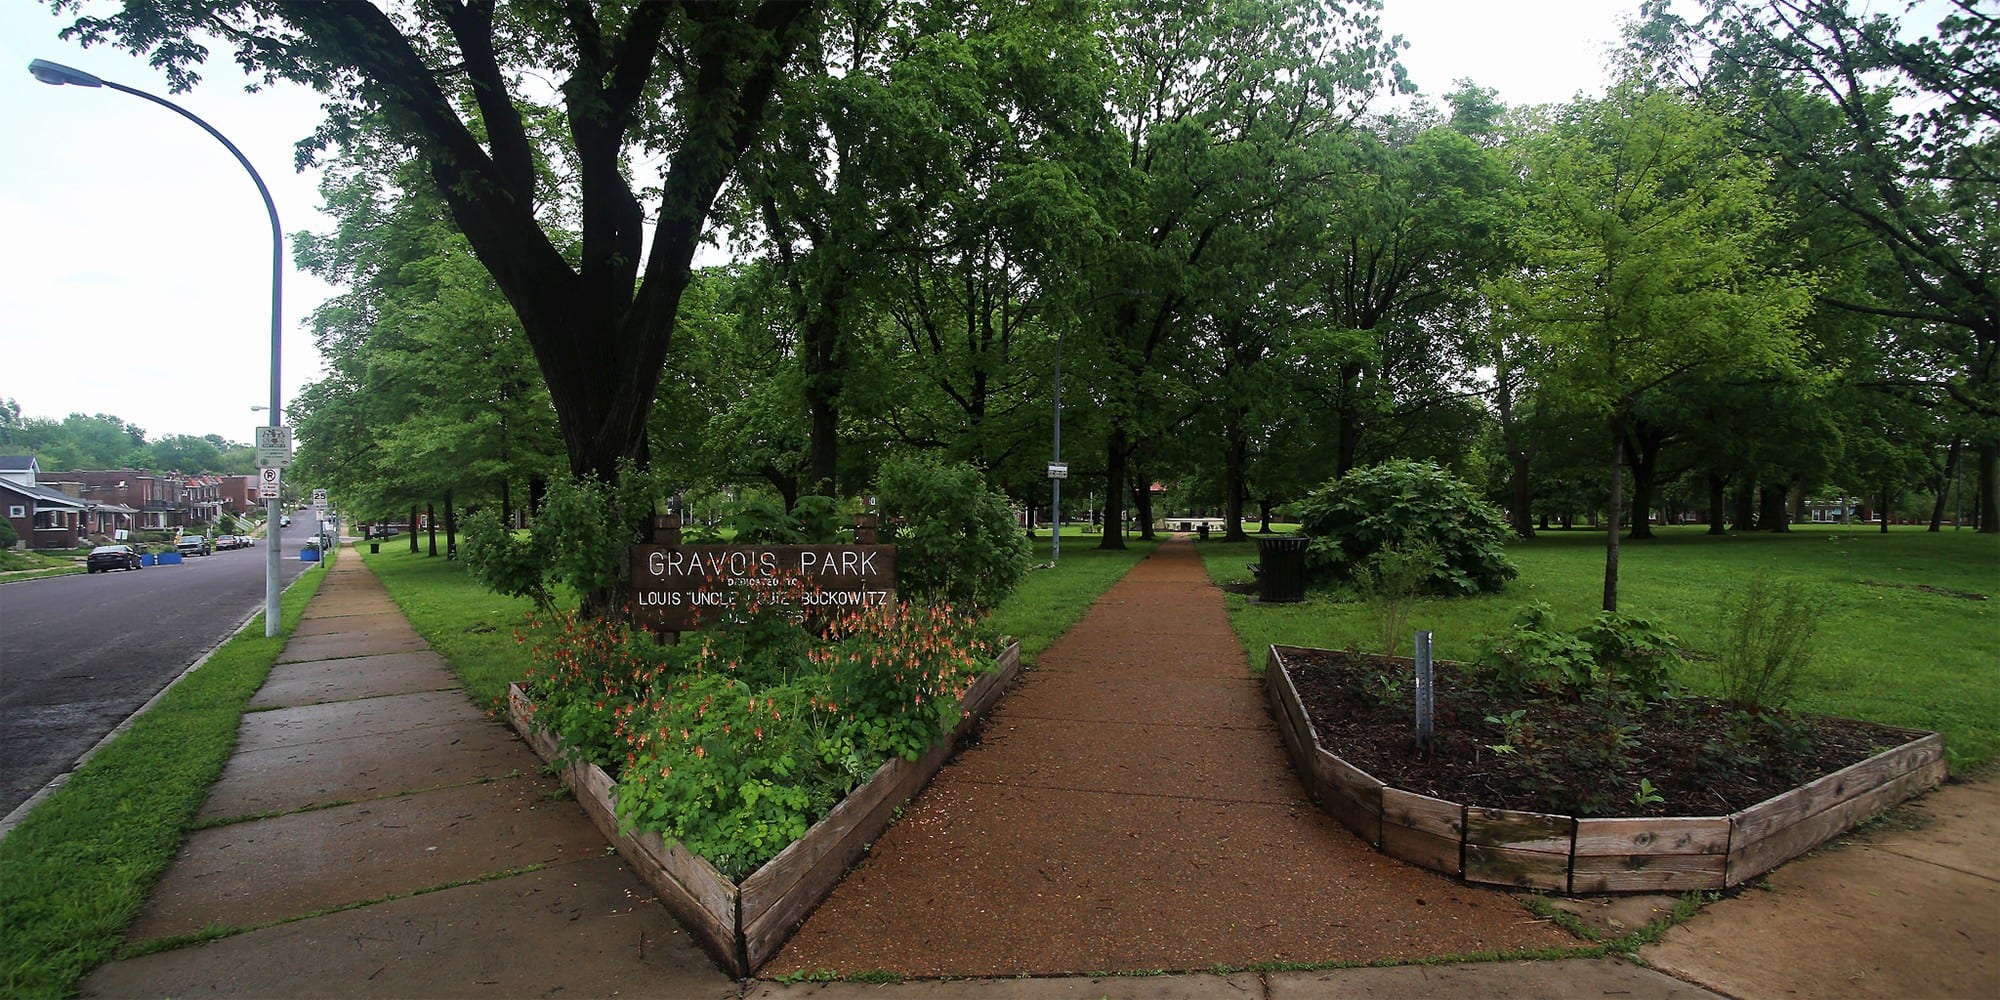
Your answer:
<point x="1615" y="654"/>
<point x="1391" y="583"/>
<point x="1767" y="635"/>
<point x="813" y="520"/>
<point x="1404" y="505"/>
<point x="8" y="536"/>
<point x="955" y="540"/>
<point x="503" y="561"/>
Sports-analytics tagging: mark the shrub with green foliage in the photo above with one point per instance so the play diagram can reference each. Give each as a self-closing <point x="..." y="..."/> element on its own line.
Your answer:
<point x="579" y="538"/>
<point x="1767" y="632"/>
<point x="1615" y="654"/>
<point x="1406" y="506"/>
<point x="955" y="539"/>
<point x="813" y="520"/>
<point x="8" y="536"/>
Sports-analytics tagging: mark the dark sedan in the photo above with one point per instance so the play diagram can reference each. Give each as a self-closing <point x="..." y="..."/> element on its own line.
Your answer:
<point x="110" y="557"/>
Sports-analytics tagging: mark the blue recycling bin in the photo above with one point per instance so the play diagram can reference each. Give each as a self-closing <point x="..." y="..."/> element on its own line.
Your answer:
<point x="309" y="554"/>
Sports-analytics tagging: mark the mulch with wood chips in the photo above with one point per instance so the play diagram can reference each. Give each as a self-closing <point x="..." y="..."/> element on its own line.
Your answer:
<point x="1129" y="807"/>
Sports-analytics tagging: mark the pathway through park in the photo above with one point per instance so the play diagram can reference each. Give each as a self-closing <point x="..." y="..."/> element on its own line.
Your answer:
<point x="1130" y="807"/>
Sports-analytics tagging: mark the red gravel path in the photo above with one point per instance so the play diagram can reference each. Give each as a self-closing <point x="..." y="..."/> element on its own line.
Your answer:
<point x="1131" y="808"/>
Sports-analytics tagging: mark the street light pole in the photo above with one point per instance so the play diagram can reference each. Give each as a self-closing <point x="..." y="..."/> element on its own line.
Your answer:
<point x="1055" y="482"/>
<point x="58" y="75"/>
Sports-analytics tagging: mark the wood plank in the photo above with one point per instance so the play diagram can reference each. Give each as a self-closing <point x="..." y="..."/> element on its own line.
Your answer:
<point x="1287" y="713"/>
<point x="1646" y="872"/>
<point x="1526" y="869"/>
<point x="1426" y="850"/>
<point x="1658" y="835"/>
<point x="1424" y="814"/>
<point x="1349" y="794"/>
<point x="1777" y="813"/>
<point x="1514" y="830"/>
<point x="1294" y="706"/>
<point x="1752" y="856"/>
<point x="767" y="928"/>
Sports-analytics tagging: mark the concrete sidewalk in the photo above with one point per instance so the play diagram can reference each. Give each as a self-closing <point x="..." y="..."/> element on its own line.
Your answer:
<point x="376" y="834"/>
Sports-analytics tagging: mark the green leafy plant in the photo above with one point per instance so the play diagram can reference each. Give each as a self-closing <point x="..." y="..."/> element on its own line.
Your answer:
<point x="1767" y="631"/>
<point x="507" y="563"/>
<point x="1514" y="731"/>
<point x="1391" y="582"/>
<point x="736" y="742"/>
<point x="1615" y="654"/>
<point x="1411" y="507"/>
<point x="955" y="538"/>
<point x="1647" y="795"/>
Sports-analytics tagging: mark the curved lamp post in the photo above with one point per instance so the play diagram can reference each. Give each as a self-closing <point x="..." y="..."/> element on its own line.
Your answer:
<point x="58" y="75"/>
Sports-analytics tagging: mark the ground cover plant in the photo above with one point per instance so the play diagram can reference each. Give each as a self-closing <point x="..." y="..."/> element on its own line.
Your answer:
<point x="76" y="870"/>
<point x="1908" y="629"/>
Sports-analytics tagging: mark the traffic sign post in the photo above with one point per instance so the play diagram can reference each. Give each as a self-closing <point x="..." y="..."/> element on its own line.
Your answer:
<point x="274" y="447"/>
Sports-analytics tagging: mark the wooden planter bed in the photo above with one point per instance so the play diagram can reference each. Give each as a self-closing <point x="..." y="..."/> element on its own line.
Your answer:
<point x="1571" y="855"/>
<point x="743" y="925"/>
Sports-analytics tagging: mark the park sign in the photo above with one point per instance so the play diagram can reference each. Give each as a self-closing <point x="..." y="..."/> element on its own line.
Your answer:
<point x="674" y="587"/>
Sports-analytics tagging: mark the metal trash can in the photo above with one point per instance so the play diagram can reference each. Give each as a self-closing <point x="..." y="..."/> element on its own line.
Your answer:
<point x="1203" y="531"/>
<point x="1281" y="569"/>
<point x="374" y="548"/>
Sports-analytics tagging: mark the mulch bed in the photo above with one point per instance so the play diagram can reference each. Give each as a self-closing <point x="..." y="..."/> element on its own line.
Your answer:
<point x="1578" y="757"/>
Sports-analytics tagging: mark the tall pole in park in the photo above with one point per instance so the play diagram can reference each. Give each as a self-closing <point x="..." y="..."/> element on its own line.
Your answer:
<point x="1056" y="471"/>
<point x="58" y="75"/>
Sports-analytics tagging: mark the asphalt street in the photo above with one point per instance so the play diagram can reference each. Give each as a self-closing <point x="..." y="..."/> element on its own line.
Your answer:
<point x="78" y="654"/>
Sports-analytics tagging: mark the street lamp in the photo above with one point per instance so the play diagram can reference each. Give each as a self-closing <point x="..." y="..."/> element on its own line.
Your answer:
<point x="58" y="75"/>
<point x="1055" y="481"/>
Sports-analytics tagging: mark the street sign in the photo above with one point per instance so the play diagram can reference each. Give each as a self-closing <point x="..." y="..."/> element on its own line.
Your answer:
<point x="274" y="447"/>
<point x="319" y="499"/>
<point x="1058" y="470"/>
<point x="267" y="484"/>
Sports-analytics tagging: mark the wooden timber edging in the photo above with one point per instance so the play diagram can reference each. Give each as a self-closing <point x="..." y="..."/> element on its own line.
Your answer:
<point x="742" y="925"/>
<point x="1575" y="855"/>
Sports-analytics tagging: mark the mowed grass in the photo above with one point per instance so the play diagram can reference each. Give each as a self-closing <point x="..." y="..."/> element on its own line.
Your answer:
<point x="1051" y="598"/>
<point x="76" y="870"/>
<point x="1886" y="650"/>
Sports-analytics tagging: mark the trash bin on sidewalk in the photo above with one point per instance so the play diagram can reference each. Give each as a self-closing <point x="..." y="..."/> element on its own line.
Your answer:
<point x="1203" y="531"/>
<point x="1281" y="569"/>
<point x="374" y="548"/>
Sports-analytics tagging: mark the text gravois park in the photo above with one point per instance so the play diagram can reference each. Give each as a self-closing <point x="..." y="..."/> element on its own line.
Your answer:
<point x="674" y="585"/>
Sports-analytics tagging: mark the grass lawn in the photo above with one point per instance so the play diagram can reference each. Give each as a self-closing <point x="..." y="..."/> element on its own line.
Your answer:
<point x="74" y="873"/>
<point x="26" y="564"/>
<point x="1886" y="651"/>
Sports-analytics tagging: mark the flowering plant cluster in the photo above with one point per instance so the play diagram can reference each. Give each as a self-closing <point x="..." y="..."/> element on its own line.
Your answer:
<point x="737" y="740"/>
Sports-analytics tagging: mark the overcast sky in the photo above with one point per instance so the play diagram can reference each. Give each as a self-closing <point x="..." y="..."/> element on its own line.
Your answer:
<point x="135" y="272"/>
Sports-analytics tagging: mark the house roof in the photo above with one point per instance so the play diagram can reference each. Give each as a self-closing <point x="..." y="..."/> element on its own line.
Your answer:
<point x="44" y="497"/>
<point x="17" y="463"/>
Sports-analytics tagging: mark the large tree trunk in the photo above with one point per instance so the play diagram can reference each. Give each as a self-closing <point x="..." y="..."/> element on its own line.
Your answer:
<point x="1773" y="512"/>
<point x="1235" y="456"/>
<point x="1885" y="510"/>
<point x="431" y="523"/>
<point x="1717" y="504"/>
<point x="413" y="530"/>
<point x="1347" y="420"/>
<point x="450" y="528"/>
<point x="1614" y="508"/>
<point x="1142" y="504"/>
<point x="1115" y="454"/>
<point x="1986" y="502"/>
<point x="1746" y="505"/>
<point x="1519" y="456"/>
<point x="1945" y="482"/>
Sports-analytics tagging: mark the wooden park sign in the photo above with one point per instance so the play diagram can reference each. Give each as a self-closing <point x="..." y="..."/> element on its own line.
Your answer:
<point x="674" y="587"/>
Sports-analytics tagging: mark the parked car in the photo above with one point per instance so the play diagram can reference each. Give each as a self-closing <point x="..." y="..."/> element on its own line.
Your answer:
<point x="110" y="557"/>
<point x="225" y="542"/>
<point x="194" y="545"/>
<point x="245" y="541"/>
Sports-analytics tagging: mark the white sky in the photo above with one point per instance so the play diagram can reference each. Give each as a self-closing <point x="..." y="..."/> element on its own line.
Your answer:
<point x="135" y="268"/>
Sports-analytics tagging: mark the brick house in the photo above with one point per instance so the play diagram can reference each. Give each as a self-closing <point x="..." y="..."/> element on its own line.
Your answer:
<point x="158" y="502"/>
<point x="57" y="510"/>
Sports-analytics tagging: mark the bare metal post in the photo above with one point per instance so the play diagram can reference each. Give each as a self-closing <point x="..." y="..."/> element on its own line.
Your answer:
<point x="1424" y="690"/>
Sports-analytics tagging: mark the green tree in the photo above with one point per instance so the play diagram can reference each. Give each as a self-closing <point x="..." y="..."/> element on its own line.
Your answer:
<point x="1892" y="127"/>
<point x="683" y="85"/>
<point x="1644" y="250"/>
